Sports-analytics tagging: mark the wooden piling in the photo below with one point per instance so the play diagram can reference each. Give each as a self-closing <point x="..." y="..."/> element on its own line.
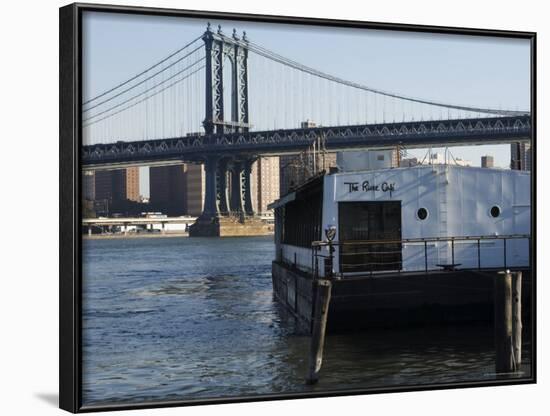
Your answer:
<point x="504" y="362"/>
<point x="516" y="318"/>
<point x="322" y="302"/>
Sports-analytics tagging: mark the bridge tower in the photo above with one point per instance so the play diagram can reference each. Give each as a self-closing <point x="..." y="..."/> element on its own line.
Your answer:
<point x="223" y="50"/>
<point x="218" y="47"/>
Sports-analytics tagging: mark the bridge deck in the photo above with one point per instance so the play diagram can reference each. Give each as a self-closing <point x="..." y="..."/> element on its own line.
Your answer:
<point x="276" y="142"/>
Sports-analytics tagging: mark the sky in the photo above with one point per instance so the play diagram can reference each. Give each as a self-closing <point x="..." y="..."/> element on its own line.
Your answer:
<point x="470" y="70"/>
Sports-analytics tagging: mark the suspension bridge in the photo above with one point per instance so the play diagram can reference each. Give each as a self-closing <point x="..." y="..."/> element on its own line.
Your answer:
<point x="223" y="100"/>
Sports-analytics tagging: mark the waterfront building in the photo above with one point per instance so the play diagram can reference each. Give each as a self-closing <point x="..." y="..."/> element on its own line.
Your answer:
<point x="420" y="202"/>
<point x="265" y="183"/>
<point x="177" y="190"/>
<point x="103" y="183"/>
<point x="117" y="185"/>
<point x="88" y="185"/>
<point x="195" y="188"/>
<point x="132" y="184"/>
<point x="521" y="156"/>
<point x="487" y="161"/>
<point x="405" y="240"/>
<point x="167" y="189"/>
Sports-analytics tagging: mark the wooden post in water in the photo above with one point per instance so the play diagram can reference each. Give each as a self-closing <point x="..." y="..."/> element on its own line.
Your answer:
<point x="516" y="318"/>
<point x="503" y="323"/>
<point x="322" y="301"/>
<point x="320" y="313"/>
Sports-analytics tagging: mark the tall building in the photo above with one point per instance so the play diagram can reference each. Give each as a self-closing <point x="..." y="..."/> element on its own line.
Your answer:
<point x="521" y="156"/>
<point x="104" y="184"/>
<point x="167" y="189"/>
<point x="117" y="185"/>
<point x="265" y="183"/>
<point x="177" y="190"/>
<point x="88" y="185"/>
<point x="487" y="161"/>
<point x="132" y="184"/>
<point x="195" y="187"/>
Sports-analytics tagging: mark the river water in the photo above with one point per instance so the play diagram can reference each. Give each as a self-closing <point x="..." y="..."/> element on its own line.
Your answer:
<point x="193" y="318"/>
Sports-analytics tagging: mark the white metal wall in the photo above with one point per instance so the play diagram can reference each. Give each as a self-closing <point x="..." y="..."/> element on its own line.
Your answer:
<point x="458" y="200"/>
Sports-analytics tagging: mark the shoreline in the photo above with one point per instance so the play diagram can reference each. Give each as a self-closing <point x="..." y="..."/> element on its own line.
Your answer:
<point x="134" y="235"/>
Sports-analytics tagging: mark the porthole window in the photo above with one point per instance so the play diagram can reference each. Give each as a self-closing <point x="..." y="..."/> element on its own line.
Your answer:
<point x="495" y="211"/>
<point x="422" y="214"/>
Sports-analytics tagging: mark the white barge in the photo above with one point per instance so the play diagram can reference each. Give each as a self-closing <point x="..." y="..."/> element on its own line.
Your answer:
<point x="409" y="244"/>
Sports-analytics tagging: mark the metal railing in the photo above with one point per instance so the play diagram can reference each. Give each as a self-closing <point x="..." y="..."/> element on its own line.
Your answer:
<point x="352" y="258"/>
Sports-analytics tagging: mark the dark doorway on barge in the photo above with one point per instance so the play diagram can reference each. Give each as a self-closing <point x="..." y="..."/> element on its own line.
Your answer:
<point x="371" y="229"/>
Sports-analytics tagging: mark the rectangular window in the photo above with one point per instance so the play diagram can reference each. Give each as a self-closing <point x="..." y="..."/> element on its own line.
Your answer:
<point x="368" y="225"/>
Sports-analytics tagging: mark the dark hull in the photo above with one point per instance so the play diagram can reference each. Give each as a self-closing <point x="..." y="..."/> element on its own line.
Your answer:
<point x="394" y="299"/>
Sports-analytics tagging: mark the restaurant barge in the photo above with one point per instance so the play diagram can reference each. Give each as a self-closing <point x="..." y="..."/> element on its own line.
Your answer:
<point x="401" y="245"/>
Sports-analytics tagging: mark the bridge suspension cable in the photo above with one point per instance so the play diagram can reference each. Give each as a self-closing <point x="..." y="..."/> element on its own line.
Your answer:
<point x="139" y="101"/>
<point x="306" y="69"/>
<point x="150" y="89"/>
<point x="142" y="72"/>
<point x="167" y="99"/>
<point x="143" y="80"/>
<point x="161" y="101"/>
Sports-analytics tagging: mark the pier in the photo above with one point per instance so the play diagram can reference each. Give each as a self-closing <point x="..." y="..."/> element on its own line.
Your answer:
<point x="185" y="225"/>
<point x="126" y="225"/>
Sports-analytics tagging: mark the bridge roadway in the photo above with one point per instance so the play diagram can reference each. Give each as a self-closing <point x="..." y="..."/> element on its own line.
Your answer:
<point x="494" y="130"/>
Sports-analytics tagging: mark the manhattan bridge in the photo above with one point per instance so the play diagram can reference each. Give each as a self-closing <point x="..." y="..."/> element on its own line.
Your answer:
<point x="224" y="101"/>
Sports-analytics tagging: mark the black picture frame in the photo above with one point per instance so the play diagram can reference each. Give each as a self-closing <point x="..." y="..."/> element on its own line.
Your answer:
<point x="70" y="256"/>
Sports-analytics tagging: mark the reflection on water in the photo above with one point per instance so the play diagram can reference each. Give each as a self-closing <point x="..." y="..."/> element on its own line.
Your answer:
<point x="180" y="318"/>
